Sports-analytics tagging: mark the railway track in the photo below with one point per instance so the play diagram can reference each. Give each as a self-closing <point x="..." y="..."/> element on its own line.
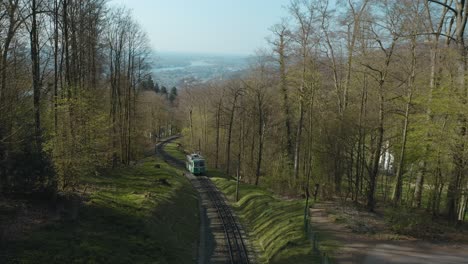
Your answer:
<point x="222" y="216"/>
<point x="236" y="245"/>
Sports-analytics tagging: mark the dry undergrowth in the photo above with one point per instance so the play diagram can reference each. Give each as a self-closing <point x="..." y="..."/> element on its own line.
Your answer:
<point x="18" y="217"/>
<point x="394" y="224"/>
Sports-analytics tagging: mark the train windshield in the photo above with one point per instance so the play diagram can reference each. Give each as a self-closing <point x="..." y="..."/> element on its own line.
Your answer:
<point x="199" y="163"/>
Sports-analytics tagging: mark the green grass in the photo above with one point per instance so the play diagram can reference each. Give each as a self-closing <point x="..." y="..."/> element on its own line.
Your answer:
<point x="140" y="214"/>
<point x="212" y="172"/>
<point x="173" y="150"/>
<point x="275" y="226"/>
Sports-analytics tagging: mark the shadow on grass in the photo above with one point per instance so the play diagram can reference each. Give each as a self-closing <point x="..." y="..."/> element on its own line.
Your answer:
<point x="130" y="217"/>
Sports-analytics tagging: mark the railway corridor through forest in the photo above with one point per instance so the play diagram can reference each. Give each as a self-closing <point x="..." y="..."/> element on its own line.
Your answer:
<point x="222" y="238"/>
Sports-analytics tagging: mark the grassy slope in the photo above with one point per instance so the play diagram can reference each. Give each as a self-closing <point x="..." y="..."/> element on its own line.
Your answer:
<point x="174" y="151"/>
<point x="131" y="217"/>
<point x="276" y="226"/>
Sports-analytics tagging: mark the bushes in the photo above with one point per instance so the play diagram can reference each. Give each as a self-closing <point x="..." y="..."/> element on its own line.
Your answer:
<point x="407" y="221"/>
<point x="27" y="171"/>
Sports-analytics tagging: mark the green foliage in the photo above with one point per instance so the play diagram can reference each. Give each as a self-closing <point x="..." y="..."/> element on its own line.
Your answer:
<point x="79" y="144"/>
<point x="24" y="167"/>
<point x="29" y="170"/>
<point x="156" y="88"/>
<point x="148" y="84"/>
<point x="275" y="226"/>
<point x="172" y="94"/>
<point x="279" y="179"/>
<point x="174" y="91"/>
<point x="405" y="221"/>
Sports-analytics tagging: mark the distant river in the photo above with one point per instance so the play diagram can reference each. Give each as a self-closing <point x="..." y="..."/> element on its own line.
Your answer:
<point x="169" y="69"/>
<point x="196" y="63"/>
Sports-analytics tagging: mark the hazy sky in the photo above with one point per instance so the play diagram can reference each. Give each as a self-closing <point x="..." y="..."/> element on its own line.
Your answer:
<point x="207" y="26"/>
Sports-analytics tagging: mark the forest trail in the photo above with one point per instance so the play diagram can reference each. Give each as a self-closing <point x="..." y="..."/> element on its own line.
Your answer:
<point x="361" y="248"/>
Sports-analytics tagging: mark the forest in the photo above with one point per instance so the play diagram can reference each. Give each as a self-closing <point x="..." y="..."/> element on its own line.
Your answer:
<point x="76" y="94"/>
<point x="362" y="101"/>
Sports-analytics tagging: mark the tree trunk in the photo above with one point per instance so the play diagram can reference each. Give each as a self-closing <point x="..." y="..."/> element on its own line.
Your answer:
<point x="261" y="134"/>
<point x="454" y="189"/>
<point x="376" y="156"/>
<point x="284" y="89"/>
<point x="218" y="117"/>
<point x="36" y="78"/>
<point x="374" y="170"/>
<point x="396" y="196"/>
<point x="297" y="148"/>
<point x="56" y="70"/>
<point x="5" y="102"/>
<point x="361" y="160"/>
<point x="191" y="129"/>
<point x="229" y="139"/>
<point x="237" y="179"/>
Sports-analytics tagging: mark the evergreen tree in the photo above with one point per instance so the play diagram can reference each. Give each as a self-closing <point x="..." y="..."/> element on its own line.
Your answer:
<point x="164" y="90"/>
<point x="156" y="88"/>
<point x="174" y="91"/>
<point x="173" y="94"/>
<point x="147" y="84"/>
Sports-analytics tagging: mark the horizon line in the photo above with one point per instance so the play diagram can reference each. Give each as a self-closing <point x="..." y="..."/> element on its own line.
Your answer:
<point x="188" y="52"/>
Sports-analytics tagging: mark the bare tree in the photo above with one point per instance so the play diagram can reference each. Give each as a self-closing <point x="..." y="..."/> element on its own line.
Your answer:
<point x="304" y="14"/>
<point x="280" y="43"/>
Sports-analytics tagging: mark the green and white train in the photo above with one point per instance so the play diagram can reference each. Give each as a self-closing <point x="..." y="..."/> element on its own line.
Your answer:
<point x="195" y="163"/>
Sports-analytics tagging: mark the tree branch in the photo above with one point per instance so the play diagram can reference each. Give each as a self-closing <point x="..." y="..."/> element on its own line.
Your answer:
<point x="436" y="33"/>
<point x="444" y="5"/>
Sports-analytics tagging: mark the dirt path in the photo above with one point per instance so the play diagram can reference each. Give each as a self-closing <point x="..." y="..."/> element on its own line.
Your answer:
<point x="360" y="248"/>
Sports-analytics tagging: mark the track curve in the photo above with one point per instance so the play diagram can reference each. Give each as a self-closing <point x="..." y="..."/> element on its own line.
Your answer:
<point x="222" y="220"/>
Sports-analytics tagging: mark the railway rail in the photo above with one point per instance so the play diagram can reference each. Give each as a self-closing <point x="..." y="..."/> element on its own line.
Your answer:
<point x="236" y="247"/>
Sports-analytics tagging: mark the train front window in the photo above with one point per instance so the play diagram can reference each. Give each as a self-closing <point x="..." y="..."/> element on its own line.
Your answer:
<point x="200" y="163"/>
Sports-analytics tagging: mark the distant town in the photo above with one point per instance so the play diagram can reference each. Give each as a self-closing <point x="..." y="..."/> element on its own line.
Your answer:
<point x="180" y="69"/>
